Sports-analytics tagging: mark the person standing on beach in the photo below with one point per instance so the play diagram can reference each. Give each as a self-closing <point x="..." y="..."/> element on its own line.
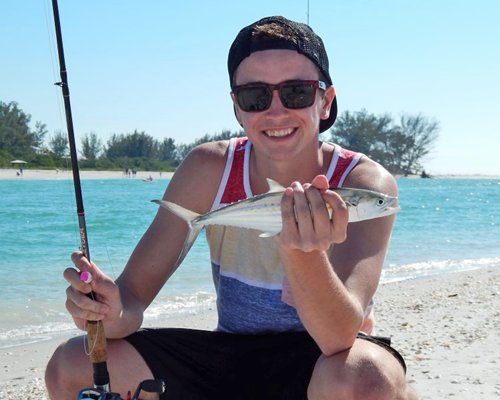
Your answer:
<point x="294" y="310"/>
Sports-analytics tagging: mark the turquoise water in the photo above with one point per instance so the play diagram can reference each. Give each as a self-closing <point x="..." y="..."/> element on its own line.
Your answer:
<point x="445" y="225"/>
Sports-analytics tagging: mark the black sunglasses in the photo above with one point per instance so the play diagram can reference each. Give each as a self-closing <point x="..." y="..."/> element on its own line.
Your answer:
<point x="255" y="97"/>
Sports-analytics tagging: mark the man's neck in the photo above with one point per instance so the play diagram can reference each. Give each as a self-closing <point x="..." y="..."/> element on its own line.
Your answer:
<point x="302" y="169"/>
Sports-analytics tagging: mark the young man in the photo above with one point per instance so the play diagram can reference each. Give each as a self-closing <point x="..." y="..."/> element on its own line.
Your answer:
<point x="290" y="307"/>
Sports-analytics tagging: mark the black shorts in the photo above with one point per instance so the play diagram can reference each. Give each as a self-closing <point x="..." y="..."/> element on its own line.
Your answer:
<point x="205" y="365"/>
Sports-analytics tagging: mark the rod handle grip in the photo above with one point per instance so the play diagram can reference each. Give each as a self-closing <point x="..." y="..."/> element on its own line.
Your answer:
<point x="96" y="341"/>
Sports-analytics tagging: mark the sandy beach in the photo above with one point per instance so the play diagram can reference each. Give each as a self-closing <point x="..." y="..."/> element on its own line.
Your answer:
<point x="39" y="174"/>
<point x="447" y="327"/>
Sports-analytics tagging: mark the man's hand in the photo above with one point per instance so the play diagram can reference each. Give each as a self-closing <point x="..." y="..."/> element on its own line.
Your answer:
<point x="104" y="304"/>
<point x="306" y="221"/>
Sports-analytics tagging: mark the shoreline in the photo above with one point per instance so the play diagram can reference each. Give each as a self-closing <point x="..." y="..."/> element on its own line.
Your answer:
<point x="446" y="326"/>
<point x="54" y="174"/>
<point x="61" y="174"/>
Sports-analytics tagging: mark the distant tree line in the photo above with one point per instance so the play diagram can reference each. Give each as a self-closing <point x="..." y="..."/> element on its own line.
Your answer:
<point x="399" y="146"/>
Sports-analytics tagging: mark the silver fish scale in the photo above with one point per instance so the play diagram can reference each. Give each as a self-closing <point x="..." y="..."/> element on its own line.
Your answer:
<point x="263" y="212"/>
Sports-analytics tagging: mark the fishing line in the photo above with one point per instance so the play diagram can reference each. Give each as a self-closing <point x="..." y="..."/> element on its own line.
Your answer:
<point x="53" y="61"/>
<point x="60" y="108"/>
<point x="53" y="58"/>
<point x="86" y="348"/>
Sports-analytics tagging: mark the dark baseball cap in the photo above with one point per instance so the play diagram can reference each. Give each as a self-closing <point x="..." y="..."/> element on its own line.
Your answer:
<point x="291" y="36"/>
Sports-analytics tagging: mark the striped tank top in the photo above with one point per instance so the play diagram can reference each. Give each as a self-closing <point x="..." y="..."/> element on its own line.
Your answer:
<point x="247" y="272"/>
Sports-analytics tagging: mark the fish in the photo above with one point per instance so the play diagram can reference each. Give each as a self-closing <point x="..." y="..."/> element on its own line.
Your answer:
<point x="263" y="212"/>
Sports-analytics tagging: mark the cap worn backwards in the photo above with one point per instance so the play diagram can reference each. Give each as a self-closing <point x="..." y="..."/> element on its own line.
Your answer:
<point x="282" y="34"/>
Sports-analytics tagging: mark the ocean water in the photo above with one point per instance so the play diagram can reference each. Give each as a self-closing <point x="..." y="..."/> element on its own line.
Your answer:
<point x="445" y="225"/>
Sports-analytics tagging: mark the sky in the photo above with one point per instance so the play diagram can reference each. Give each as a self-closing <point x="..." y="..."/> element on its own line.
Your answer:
<point x="160" y="66"/>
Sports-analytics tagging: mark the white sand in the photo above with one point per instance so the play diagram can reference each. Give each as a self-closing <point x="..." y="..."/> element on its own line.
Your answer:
<point x="41" y="174"/>
<point x="447" y="327"/>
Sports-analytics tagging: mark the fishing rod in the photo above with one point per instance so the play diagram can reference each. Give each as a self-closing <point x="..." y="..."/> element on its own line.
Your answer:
<point x="95" y="330"/>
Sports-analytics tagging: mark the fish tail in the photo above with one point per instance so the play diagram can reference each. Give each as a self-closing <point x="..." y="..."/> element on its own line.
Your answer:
<point x="190" y="217"/>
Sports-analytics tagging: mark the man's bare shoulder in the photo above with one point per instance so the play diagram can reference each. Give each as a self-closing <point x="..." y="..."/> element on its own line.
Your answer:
<point x="208" y="153"/>
<point x="196" y="181"/>
<point x="369" y="174"/>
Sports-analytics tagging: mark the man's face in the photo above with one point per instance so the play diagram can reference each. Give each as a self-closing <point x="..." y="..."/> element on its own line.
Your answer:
<point x="281" y="131"/>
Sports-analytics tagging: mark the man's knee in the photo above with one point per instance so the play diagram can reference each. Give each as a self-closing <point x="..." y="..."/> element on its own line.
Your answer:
<point x="362" y="372"/>
<point x="69" y="370"/>
<point x="375" y="379"/>
<point x="64" y="373"/>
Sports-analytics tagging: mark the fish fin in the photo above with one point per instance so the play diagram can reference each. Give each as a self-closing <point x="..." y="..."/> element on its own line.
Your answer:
<point x="274" y="186"/>
<point x="268" y="234"/>
<point x="182" y="212"/>
<point x="193" y="233"/>
<point x="194" y="229"/>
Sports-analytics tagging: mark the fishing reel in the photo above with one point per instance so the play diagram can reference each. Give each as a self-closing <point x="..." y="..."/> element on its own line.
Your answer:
<point x="150" y="385"/>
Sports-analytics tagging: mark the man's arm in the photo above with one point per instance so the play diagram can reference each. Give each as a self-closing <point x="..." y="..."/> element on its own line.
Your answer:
<point x="332" y="279"/>
<point x="194" y="187"/>
<point x="121" y="305"/>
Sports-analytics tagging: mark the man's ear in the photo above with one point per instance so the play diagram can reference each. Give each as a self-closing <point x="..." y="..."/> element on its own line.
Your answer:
<point x="327" y="102"/>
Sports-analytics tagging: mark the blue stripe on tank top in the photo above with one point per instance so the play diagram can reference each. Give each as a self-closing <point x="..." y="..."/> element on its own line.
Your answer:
<point x="248" y="309"/>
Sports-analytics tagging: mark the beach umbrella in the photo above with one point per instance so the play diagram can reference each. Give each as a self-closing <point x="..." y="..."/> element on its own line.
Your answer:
<point x="19" y="162"/>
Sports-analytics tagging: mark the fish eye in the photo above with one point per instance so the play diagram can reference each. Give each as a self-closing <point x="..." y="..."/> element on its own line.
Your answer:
<point x="380" y="202"/>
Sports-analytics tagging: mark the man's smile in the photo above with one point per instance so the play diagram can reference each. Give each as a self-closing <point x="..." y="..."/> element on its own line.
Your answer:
<point x="279" y="132"/>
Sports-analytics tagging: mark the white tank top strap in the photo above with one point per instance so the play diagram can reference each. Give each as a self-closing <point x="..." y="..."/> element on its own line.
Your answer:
<point x="349" y="168"/>
<point x="337" y="153"/>
<point x="225" y="175"/>
<point x="246" y="169"/>
<point x="333" y="162"/>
